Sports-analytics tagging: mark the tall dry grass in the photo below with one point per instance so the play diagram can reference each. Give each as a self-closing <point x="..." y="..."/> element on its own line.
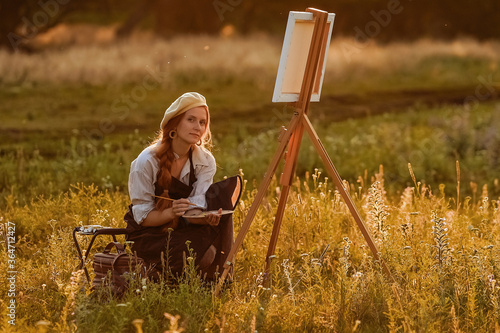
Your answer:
<point x="100" y="59"/>
<point x="445" y="264"/>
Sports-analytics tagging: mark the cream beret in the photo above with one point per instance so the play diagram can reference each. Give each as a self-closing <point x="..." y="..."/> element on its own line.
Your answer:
<point x="182" y="104"/>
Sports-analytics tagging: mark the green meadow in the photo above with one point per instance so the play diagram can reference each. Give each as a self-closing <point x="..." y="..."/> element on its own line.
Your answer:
<point x="412" y="129"/>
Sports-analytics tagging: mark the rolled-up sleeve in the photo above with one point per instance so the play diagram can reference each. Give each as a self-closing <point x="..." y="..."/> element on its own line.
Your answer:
<point x="205" y="176"/>
<point x="142" y="179"/>
<point x="141" y="182"/>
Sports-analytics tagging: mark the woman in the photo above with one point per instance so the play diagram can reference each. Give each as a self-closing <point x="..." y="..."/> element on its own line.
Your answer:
<point x="168" y="183"/>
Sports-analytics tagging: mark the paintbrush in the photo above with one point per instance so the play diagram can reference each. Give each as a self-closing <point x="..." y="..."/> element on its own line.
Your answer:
<point x="170" y="199"/>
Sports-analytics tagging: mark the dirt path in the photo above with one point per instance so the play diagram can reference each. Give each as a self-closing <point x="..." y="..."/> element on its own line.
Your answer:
<point x="342" y="107"/>
<point x="334" y="108"/>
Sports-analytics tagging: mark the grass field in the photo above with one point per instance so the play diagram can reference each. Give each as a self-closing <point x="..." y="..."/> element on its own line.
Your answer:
<point x="412" y="128"/>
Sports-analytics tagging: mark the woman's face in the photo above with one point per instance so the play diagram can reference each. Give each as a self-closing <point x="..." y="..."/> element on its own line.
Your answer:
<point x="192" y="125"/>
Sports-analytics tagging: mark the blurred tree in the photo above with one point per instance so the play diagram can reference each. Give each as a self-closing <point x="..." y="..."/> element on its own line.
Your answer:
<point x="171" y="17"/>
<point x="192" y="16"/>
<point x="23" y="20"/>
<point x="140" y="13"/>
<point x="380" y="20"/>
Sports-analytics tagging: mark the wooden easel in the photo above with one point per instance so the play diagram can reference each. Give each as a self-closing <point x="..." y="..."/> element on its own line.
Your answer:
<point x="292" y="137"/>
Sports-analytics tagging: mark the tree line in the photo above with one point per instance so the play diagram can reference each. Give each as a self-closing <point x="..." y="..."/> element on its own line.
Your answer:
<point x="382" y="20"/>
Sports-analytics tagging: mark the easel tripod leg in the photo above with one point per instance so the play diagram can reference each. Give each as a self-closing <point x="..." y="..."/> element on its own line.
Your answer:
<point x="258" y="199"/>
<point x="343" y="192"/>
<point x="276" y="229"/>
<point x="286" y="182"/>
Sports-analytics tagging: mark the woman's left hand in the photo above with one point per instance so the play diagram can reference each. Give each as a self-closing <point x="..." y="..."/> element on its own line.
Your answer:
<point x="210" y="219"/>
<point x="213" y="219"/>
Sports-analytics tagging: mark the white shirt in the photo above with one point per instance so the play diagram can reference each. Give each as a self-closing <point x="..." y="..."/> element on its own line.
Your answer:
<point x="143" y="176"/>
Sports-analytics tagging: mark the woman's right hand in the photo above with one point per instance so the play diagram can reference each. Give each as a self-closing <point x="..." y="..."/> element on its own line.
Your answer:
<point x="179" y="207"/>
<point x="165" y="214"/>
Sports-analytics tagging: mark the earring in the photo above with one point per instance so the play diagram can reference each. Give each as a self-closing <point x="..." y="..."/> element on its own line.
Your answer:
<point x="199" y="143"/>
<point x="172" y="134"/>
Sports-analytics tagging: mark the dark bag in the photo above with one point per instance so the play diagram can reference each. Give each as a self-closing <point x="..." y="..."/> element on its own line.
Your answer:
<point x="112" y="268"/>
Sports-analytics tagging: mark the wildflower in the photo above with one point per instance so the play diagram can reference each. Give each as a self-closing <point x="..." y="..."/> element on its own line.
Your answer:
<point x="138" y="325"/>
<point x="43" y="325"/>
<point x="442" y="242"/>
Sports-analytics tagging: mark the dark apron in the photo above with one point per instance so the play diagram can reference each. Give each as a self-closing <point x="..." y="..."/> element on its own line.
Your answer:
<point x="151" y="243"/>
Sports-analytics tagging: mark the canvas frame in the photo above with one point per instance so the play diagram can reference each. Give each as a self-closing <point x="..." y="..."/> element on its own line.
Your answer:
<point x="294" y="54"/>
